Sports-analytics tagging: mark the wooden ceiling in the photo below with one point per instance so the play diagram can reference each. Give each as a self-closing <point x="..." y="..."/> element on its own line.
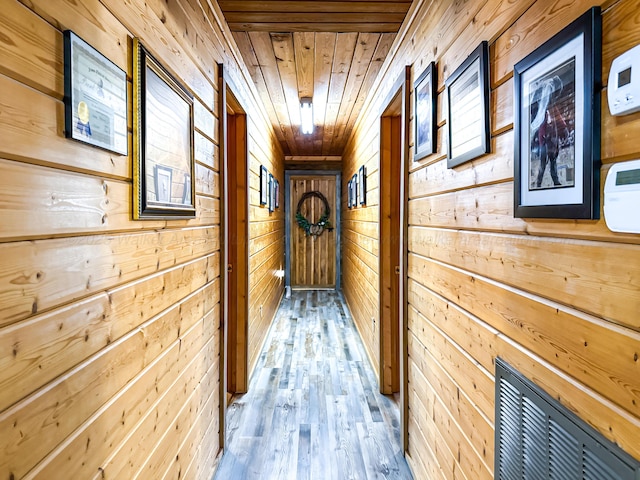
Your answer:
<point x="330" y="51"/>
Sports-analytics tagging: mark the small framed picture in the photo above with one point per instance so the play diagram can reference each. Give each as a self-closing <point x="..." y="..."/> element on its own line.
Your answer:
<point x="424" y="91"/>
<point x="95" y="97"/>
<point x="362" y="185"/>
<point x="354" y="190"/>
<point x="276" y="196"/>
<point x="264" y="185"/>
<point x="162" y="141"/>
<point x="272" y="196"/>
<point x="349" y="204"/>
<point x="557" y="124"/>
<point x="468" y="108"/>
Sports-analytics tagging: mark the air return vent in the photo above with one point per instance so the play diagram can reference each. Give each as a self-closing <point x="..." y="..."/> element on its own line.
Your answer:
<point x="537" y="438"/>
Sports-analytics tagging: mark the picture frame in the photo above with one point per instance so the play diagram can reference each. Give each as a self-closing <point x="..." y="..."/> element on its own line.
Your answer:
<point x="277" y="194"/>
<point x="425" y="106"/>
<point x="354" y="190"/>
<point x="264" y="185"/>
<point x="362" y="185"/>
<point x="557" y="124"/>
<point x="95" y="97"/>
<point x="349" y="203"/>
<point x="467" y="91"/>
<point x="162" y="141"/>
<point x="272" y="201"/>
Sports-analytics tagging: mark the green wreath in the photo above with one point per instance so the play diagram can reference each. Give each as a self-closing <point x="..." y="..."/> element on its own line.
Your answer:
<point x="322" y="224"/>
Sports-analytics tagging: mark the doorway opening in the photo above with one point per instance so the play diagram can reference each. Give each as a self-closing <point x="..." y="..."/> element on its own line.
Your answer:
<point x="393" y="229"/>
<point x="235" y="253"/>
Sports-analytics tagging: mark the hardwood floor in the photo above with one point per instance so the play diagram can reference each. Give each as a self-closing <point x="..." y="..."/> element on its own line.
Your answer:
<point x="313" y="410"/>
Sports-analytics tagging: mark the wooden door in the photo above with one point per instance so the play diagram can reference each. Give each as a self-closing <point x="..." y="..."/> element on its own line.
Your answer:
<point x="237" y="250"/>
<point x="390" y="162"/>
<point x="313" y="257"/>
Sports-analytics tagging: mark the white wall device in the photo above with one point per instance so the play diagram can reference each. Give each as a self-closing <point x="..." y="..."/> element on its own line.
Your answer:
<point x="622" y="197"/>
<point x="623" y="87"/>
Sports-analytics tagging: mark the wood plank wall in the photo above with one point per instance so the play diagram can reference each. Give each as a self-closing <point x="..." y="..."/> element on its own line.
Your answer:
<point x="109" y="327"/>
<point x="558" y="299"/>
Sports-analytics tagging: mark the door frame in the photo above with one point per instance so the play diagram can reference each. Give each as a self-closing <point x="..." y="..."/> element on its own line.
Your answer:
<point x="228" y="197"/>
<point x="287" y="214"/>
<point x="402" y="88"/>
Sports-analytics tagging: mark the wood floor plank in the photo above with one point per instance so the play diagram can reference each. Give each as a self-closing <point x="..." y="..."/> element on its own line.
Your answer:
<point x="313" y="409"/>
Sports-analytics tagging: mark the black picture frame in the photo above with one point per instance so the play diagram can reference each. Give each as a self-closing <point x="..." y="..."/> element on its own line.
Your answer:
<point x="349" y="204"/>
<point x="272" y="200"/>
<point x="162" y="141"/>
<point x="95" y="97"/>
<point x="276" y="196"/>
<point x="362" y="185"/>
<point x="557" y="124"/>
<point x="425" y="106"/>
<point x="354" y="190"/>
<point x="264" y="185"/>
<point x="467" y="90"/>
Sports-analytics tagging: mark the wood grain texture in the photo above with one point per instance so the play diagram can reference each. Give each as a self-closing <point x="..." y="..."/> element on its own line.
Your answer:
<point x="109" y="327"/>
<point x="313" y="257"/>
<point x="557" y="298"/>
<point x="312" y="409"/>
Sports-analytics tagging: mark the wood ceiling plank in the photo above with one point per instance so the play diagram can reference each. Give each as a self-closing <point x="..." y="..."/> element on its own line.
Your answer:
<point x="324" y="52"/>
<point x="263" y="48"/>
<point x="365" y="48"/>
<point x="345" y="48"/>
<point x="246" y="50"/>
<point x="285" y="59"/>
<point x="315" y="27"/>
<point x="304" y="46"/>
<point x="312" y="17"/>
<point x="314" y="6"/>
<point x="382" y="49"/>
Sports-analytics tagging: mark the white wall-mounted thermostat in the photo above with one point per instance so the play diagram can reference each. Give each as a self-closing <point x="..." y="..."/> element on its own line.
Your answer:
<point x="623" y="87"/>
<point x="622" y="197"/>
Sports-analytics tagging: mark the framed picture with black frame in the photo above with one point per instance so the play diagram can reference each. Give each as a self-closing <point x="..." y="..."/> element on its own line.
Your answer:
<point x="425" y="105"/>
<point x="354" y="190"/>
<point x="468" y="108"/>
<point x="163" y="149"/>
<point x="272" y="197"/>
<point x="276" y="195"/>
<point x="349" y="204"/>
<point x="557" y="124"/>
<point x="264" y="185"/>
<point x="362" y="185"/>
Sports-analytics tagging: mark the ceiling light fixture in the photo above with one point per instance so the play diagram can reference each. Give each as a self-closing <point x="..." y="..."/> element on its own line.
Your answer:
<point x="306" y="115"/>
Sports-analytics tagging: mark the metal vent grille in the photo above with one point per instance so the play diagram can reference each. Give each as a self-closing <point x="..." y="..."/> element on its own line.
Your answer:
<point x="537" y="438"/>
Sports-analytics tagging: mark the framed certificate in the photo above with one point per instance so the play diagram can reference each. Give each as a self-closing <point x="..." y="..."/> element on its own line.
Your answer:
<point x="95" y="97"/>
<point x="468" y="102"/>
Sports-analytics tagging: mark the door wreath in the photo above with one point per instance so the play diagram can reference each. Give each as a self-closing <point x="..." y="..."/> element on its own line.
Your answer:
<point x="317" y="228"/>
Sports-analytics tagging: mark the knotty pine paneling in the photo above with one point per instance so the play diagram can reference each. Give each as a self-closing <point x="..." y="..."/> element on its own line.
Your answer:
<point x="110" y="328"/>
<point x="558" y="299"/>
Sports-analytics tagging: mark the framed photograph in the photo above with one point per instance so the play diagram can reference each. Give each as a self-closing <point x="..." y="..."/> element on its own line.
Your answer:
<point x="362" y="185"/>
<point x="95" y="97"/>
<point x="468" y="108"/>
<point x="349" y="204"/>
<point x="272" y="196"/>
<point x="354" y="190"/>
<point x="276" y="196"/>
<point x="264" y="185"/>
<point x="425" y="104"/>
<point x="162" y="141"/>
<point x="557" y="124"/>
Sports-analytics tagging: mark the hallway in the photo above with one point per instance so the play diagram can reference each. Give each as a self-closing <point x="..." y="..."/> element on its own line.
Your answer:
<point x="313" y="410"/>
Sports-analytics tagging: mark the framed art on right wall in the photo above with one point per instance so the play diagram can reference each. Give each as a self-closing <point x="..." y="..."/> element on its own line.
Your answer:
<point x="557" y="124"/>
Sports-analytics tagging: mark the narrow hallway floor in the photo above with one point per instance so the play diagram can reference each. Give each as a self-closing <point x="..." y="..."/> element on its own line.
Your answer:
<point x="313" y="409"/>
